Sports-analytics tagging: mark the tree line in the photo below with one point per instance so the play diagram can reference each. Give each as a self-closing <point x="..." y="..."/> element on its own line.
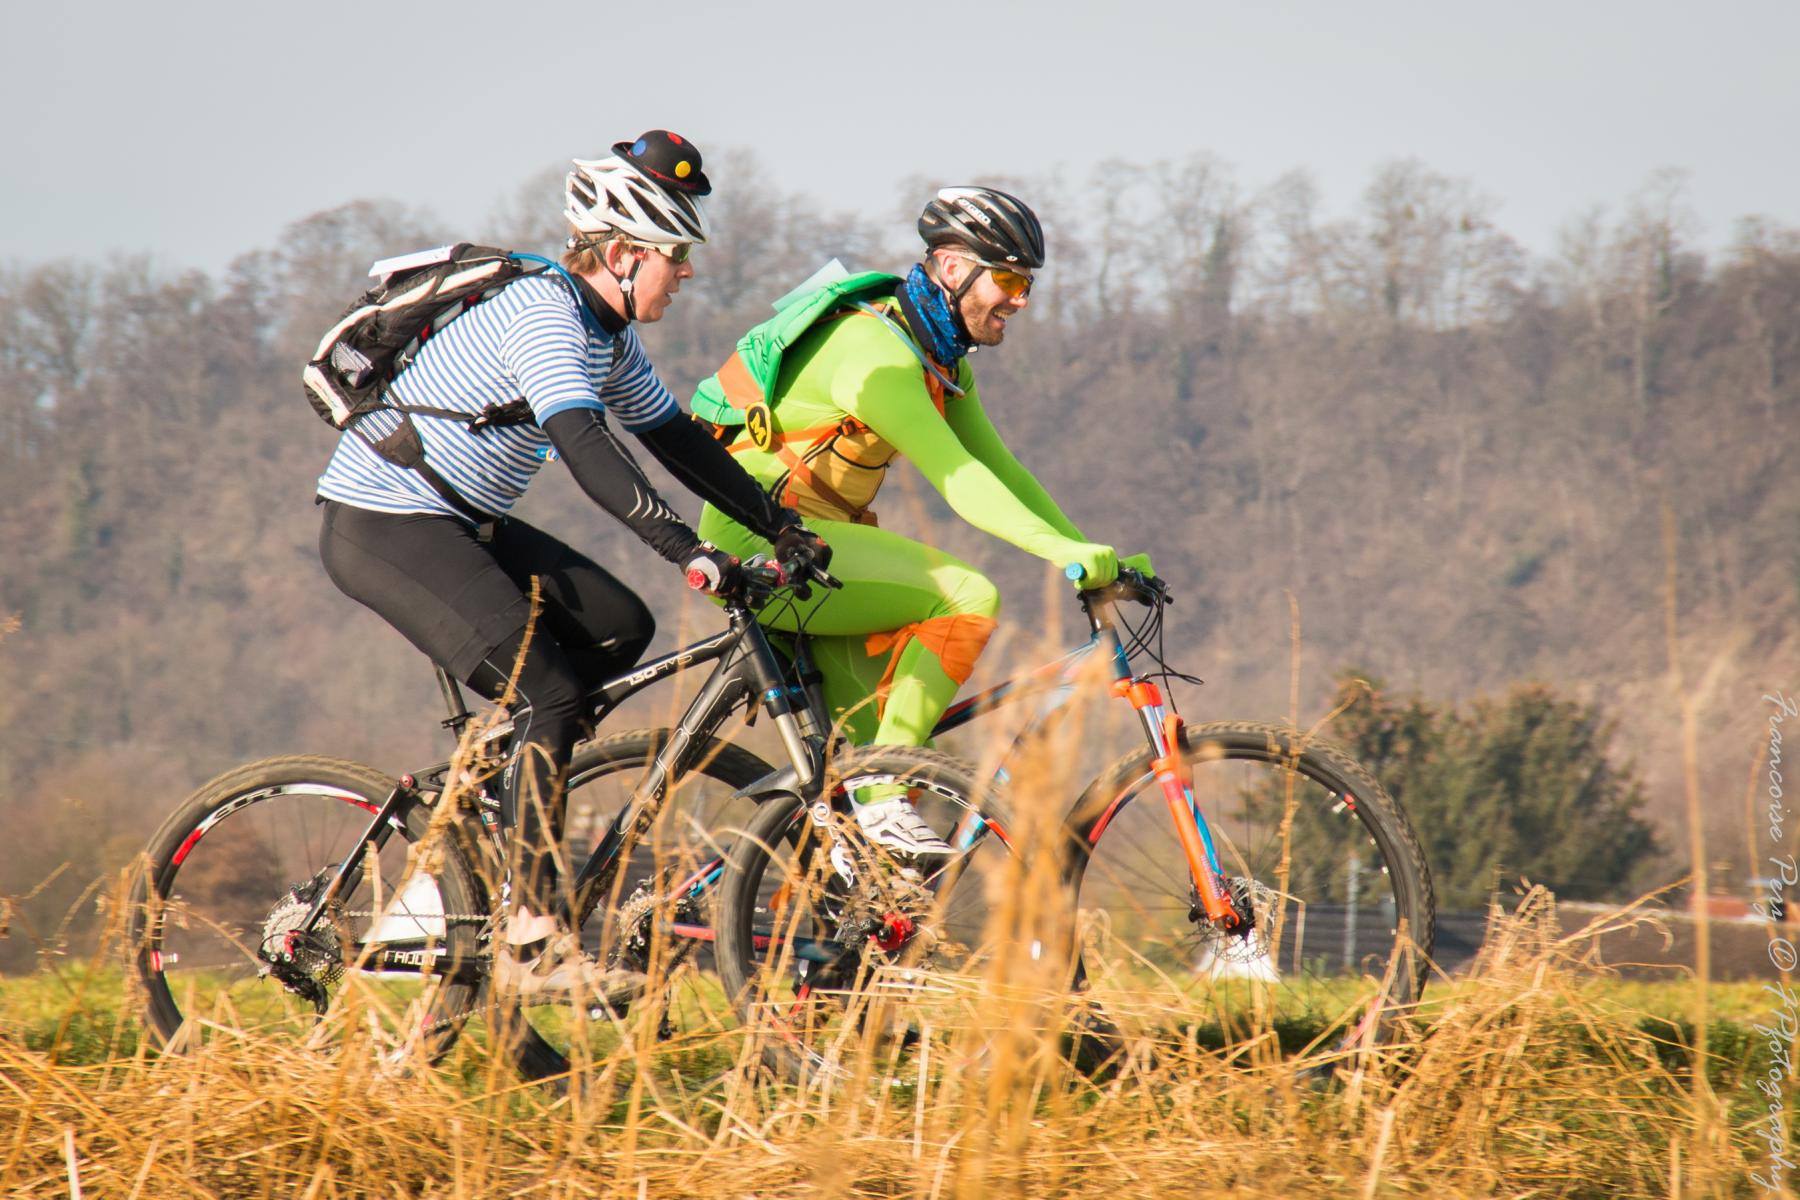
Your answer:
<point x="1448" y="457"/>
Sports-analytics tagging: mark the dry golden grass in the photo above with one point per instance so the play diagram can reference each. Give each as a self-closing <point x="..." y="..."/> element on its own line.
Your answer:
<point x="1518" y="1080"/>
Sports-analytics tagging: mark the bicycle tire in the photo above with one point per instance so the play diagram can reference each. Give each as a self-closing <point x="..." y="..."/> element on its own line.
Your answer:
<point x="541" y="1039"/>
<point x="761" y="980"/>
<point x="1384" y="937"/>
<point x="219" y="870"/>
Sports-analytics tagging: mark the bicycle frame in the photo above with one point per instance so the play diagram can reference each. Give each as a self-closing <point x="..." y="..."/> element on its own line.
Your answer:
<point x="1056" y="681"/>
<point x="749" y="674"/>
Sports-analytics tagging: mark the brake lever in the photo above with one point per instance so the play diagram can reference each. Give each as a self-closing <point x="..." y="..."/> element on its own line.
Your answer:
<point x="1150" y="590"/>
<point x="801" y="573"/>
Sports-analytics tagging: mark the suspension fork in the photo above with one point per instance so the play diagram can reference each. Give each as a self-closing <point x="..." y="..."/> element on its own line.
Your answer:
<point x="788" y="706"/>
<point x="1164" y="731"/>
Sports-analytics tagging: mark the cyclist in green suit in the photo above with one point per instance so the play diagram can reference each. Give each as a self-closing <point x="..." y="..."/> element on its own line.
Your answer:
<point x="819" y="400"/>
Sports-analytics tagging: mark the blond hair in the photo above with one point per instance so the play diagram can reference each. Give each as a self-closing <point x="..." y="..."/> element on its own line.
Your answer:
<point x="582" y="256"/>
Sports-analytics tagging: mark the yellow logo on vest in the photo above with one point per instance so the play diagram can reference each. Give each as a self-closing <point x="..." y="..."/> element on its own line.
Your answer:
<point x="760" y="425"/>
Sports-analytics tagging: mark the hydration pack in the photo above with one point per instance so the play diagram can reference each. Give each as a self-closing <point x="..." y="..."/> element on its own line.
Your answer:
<point x="831" y="470"/>
<point x="381" y="333"/>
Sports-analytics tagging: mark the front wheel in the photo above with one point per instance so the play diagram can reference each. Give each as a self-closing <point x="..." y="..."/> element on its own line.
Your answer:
<point x="1322" y="856"/>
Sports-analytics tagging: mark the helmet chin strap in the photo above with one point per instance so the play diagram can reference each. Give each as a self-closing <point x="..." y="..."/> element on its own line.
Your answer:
<point x="625" y="282"/>
<point x="625" y="289"/>
<point x="955" y="299"/>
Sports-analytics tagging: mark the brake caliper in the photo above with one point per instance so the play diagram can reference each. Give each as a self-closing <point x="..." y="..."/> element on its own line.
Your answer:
<point x="896" y="929"/>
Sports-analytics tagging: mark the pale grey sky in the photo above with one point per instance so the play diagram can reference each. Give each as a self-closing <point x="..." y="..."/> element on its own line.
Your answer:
<point x="196" y="129"/>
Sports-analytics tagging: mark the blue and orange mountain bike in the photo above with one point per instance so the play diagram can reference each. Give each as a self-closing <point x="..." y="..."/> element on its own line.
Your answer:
<point x="1257" y="873"/>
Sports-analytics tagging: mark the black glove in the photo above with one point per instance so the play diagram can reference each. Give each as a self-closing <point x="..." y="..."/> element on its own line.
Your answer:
<point x="793" y="538"/>
<point x="715" y="572"/>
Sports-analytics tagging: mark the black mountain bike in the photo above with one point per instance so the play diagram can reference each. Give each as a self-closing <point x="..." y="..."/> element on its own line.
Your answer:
<point x="298" y="896"/>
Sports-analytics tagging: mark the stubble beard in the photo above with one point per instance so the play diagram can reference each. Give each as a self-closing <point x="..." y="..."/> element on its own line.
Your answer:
<point x="983" y="329"/>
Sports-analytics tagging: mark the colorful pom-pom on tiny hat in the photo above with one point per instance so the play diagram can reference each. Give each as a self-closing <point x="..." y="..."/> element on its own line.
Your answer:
<point x="668" y="158"/>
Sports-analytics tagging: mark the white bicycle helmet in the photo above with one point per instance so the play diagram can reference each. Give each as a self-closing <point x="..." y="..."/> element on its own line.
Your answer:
<point x="648" y="191"/>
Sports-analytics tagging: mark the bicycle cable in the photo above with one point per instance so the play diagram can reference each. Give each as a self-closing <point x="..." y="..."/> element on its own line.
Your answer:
<point x="1154" y="627"/>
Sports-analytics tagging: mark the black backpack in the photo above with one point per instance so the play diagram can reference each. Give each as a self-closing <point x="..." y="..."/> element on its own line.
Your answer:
<point x="379" y="335"/>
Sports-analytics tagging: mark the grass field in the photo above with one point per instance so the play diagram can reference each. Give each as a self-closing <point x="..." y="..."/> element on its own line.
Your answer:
<point x="1528" y="1077"/>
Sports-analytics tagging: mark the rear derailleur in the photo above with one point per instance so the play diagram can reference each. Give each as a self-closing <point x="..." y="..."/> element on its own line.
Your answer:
<point x="307" y="962"/>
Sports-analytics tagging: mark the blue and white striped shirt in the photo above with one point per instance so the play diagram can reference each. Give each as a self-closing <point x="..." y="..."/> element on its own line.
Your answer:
<point x="530" y="341"/>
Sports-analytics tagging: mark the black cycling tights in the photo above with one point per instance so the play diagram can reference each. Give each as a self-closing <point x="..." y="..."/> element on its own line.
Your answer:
<point x="464" y="603"/>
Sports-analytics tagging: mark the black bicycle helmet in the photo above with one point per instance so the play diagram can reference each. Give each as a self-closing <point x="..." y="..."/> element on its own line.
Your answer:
<point x="998" y="228"/>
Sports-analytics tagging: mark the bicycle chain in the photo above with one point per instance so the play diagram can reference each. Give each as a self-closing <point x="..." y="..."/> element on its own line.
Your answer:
<point x="459" y="918"/>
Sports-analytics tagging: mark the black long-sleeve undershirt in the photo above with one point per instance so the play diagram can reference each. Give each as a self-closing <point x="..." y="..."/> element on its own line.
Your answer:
<point x="612" y="479"/>
<point x="701" y="462"/>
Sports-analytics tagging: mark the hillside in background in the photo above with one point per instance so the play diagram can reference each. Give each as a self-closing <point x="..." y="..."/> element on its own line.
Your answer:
<point x="1453" y="459"/>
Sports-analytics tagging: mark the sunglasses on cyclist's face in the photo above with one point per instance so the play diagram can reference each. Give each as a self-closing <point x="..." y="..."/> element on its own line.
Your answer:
<point x="678" y="253"/>
<point x="1013" y="283"/>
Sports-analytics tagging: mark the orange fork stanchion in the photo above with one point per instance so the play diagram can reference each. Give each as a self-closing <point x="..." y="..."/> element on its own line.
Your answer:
<point x="1177" y="781"/>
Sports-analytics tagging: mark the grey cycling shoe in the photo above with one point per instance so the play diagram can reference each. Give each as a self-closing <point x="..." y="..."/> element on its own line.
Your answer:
<point x="562" y="971"/>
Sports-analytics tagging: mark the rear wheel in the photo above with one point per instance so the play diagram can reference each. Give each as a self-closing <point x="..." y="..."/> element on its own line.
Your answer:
<point x="219" y="908"/>
<point x="823" y="954"/>
<point x="1328" y="864"/>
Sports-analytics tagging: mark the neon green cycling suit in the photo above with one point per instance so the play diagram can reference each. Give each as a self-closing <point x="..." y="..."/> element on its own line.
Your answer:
<point x="910" y="620"/>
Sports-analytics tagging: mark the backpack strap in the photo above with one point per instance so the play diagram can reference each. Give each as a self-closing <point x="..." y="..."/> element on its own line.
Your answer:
<point x="925" y="360"/>
<point x="404" y="448"/>
<point x="588" y="317"/>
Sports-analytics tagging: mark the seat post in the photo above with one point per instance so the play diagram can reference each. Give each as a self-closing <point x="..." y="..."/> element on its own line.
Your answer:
<point x="453" y="701"/>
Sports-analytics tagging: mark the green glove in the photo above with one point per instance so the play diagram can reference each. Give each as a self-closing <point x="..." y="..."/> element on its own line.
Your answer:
<point x="1139" y="563"/>
<point x="1100" y="564"/>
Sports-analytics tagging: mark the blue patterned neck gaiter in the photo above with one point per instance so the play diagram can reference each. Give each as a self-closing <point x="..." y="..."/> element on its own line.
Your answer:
<point x="928" y="312"/>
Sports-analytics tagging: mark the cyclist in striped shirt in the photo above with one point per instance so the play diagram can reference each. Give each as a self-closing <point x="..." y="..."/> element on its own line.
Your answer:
<point x="457" y="589"/>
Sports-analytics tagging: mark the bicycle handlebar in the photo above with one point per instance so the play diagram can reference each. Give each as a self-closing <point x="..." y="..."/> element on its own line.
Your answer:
<point x="797" y="571"/>
<point x="758" y="578"/>
<point x="1148" y="590"/>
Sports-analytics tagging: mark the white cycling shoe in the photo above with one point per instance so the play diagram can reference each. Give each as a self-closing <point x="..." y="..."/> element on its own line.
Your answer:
<point x="896" y="826"/>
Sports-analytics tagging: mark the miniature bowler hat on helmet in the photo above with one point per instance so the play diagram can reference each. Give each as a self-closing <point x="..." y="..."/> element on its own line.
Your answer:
<point x="668" y="158"/>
